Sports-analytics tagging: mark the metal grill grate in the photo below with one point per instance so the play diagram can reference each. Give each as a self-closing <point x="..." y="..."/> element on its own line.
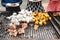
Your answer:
<point x="46" y="32"/>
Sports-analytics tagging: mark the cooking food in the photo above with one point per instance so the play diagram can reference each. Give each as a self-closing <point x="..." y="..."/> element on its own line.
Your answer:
<point x="24" y="25"/>
<point x="31" y="25"/>
<point x="36" y="27"/>
<point x="12" y="26"/>
<point x="23" y="18"/>
<point x="12" y="32"/>
<point x="56" y="14"/>
<point x="24" y="15"/>
<point x="21" y="31"/>
<point x="40" y="18"/>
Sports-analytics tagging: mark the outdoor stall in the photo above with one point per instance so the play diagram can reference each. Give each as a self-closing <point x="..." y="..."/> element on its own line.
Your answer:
<point x="31" y="23"/>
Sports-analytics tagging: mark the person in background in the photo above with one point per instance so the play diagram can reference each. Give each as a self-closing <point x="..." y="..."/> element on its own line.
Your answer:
<point x="54" y="7"/>
<point x="35" y="5"/>
<point x="12" y="5"/>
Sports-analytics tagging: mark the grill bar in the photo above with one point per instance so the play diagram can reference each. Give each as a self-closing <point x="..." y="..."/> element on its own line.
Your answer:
<point x="57" y="20"/>
<point x="46" y="32"/>
<point x="55" y="23"/>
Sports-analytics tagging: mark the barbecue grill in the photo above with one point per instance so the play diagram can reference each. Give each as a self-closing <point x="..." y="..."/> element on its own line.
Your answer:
<point x="51" y="31"/>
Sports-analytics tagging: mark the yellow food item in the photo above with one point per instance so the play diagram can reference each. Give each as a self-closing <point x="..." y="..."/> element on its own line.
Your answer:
<point x="45" y="23"/>
<point x="40" y="23"/>
<point x="36" y="22"/>
<point x="33" y="20"/>
<point x="46" y="15"/>
<point x="36" y="19"/>
<point x="33" y="14"/>
<point x="45" y="18"/>
<point x="50" y="18"/>
<point x="40" y="18"/>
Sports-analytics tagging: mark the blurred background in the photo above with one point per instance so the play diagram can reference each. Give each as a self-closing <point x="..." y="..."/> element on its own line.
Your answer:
<point x="23" y="6"/>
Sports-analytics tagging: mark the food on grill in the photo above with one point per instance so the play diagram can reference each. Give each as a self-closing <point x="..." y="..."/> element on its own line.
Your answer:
<point x="12" y="29"/>
<point x="45" y="23"/>
<point x="24" y="25"/>
<point x="40" y="23"/>
<point x="40" y="18"/>
<point x="31" y="24"/>
<point x="37" y="22"/>
<point x="23" y="15"/>
<point x="56" y="14"/>
<point x="12" y="32"/>
<point x="23" y="18"/>
<point x="36" y="27"/>
<point x="12" y="26"/>
<point x="21" y="31"/>
<point x="33" y="20"/>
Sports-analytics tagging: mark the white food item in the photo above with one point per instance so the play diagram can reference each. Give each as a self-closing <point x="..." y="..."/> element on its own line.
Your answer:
<point x="20" y="13"/>
<point x="24" y="19"/>
<point x="24" y="15"/>
<point x="18" y="23"/>
<point x="12" y="16"/>
<point x="10" y="24"/>
<point x="8" y="17"/>
<point x="19" y="16"/>
<point x="27" y="20"/>
<point x="14" y="13"/>
<point x="31" y="12"/>
<point x="15" y="20"/>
